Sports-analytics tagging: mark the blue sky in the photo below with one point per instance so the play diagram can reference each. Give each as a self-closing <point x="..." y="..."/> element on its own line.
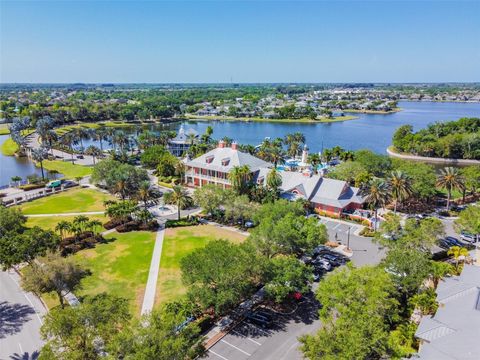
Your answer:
<point x="243" y="41"/>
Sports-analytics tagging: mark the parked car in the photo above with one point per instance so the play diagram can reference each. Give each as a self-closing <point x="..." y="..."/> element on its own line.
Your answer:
<point x="306" y="259"/>
<point x="54" y="184"/>
<point x="322" y="264"/>
<point x="249" y="224"/>
<point x="258" y="319"/>
<point x="330" y="259"/>
<point x="465" y="236"/>
<point x="319" y="249"/>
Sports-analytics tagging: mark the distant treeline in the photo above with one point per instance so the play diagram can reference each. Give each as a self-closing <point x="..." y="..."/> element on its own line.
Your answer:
<point x="455" y="139"/>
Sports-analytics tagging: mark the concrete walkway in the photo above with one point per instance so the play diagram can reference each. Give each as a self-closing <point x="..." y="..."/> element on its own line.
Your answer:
<point x="432" y="160"/>
<point x="151" y="288"/>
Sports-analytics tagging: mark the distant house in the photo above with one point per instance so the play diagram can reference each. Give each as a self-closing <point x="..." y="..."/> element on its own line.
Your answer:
<point x="454" y="331"/>
<point x="182" y="142"/>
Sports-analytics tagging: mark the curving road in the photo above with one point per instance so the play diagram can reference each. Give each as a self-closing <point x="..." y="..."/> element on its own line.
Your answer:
<point x="20" y="320"/>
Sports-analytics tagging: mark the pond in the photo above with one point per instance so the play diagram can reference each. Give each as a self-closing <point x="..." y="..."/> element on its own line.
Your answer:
<point x="372" y="132"/>
<point x="13" y="166"/>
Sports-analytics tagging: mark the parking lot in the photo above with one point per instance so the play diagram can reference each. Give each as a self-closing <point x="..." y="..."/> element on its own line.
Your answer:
<point x="365" y="251"/>
<point x="280" y="341"/>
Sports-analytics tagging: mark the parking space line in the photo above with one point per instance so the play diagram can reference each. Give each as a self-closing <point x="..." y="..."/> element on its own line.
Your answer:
<point x="245" y="336"/>
<point x="336" y="226"/>
<point x="256" y="327"/>
<point x="214" y="353"/>
<point x="226" y="342"/>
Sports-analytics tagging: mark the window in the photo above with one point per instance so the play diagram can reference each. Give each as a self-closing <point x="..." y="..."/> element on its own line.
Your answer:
<point x="225" y="162"/>
<point x="209" y="159"/>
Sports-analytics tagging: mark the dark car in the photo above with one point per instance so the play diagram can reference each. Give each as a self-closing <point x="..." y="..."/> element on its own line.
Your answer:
<point x="331" y="259"/>
<point x="259" y="319"/>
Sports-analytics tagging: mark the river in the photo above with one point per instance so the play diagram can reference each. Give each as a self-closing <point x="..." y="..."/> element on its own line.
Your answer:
<point x="372" y="132"/>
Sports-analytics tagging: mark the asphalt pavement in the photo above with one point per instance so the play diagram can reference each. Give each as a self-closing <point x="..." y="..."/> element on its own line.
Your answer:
<point x="20" y="320"/>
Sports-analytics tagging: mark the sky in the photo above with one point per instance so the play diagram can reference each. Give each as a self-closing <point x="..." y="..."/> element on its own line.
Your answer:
<point x="239" y="41"/>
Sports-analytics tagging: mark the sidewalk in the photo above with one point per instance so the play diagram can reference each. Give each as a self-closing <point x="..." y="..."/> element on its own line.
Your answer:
<point x="151" y="288"/>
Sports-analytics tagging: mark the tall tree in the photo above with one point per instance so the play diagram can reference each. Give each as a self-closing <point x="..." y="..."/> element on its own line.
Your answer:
<point x="86" y="331"/>
<point x="274" y="180"/>
<point x="401" y="187"/>
<point x="240" y="177"/>
<point x="450" y="179"/>
<point x="53" y="273"/>
<point x="180" y="197"/>
<point x="376" y="195"/>
<point x="39" y="155"/>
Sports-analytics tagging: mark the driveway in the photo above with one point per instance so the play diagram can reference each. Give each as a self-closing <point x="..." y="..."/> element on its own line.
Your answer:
<point x="20" y="320"/>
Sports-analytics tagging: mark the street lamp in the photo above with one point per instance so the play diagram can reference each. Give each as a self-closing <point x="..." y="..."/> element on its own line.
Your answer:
<point x="348" y="238"/>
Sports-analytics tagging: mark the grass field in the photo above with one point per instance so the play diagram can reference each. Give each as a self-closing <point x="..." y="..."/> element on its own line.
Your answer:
<point x="67" y="169"/>
<point x="49" y="222"/>
<point x="120" y="267"/>
<point x="9" y="147"/>
<point x="179" y="242"/>
<point x="74" y="200"/>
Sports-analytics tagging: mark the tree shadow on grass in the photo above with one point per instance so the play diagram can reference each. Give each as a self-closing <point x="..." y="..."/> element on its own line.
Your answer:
<point x="12" y="317"/>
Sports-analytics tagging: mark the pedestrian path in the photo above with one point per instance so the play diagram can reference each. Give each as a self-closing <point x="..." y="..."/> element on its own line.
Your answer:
<point x="150" y="290"/>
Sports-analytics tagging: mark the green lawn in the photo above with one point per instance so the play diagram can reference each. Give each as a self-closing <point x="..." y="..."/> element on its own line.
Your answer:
<point x="69" y="170"/>
<point x="49" y="222"/>
<point x="9" y="147"/>
<point x="120" y="267"/>
<point x="73" y="200"/>
<point x="179" y="242"/>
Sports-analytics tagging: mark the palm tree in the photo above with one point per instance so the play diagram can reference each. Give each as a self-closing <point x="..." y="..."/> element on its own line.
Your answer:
<point x="327" y="155"/>
<point x="274" y="180"/>
<point x="191" y="138"/>
<point x="376" y="195"/>
<point x="347" y="155"/>
<point x="121" y="187"/>
<point x="69" y="139"/>
<point x="16" y="179"/>
<point x="100" y="135"/>
<point x="146" y="193"/>
<point x="401" y="186"/>
<point x="314" y="160"/>
<point x="239" y="177"/>
<point x="63" y="227"/>
<point x="49" y="137"/>
<point x="179" y="196"/>
<point x="94" y="225"/>
<point x="439" y="270"/>
<point x="93" y="151"/>
<point x="81" y="221"/>
<point x="459" y="254"/>
<point x="39" y="155"/>
<point x="80" y="133"/>
<point x="450" y="179"/>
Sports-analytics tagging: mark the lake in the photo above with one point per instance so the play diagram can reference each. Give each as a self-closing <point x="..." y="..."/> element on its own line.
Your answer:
<point x="372" y="132"/>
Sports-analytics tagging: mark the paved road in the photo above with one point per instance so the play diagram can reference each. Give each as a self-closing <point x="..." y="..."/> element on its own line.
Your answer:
<point x="20" y="320"/>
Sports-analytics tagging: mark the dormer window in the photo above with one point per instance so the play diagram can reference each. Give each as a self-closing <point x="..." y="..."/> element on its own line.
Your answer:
<point x="260" y="180"/>
<point x="225" y="161"/>
<point x="209" y="159"/>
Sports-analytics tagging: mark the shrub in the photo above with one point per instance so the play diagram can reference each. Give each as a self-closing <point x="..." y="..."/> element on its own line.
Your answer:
<point x="31" y="186"/>
<point x="367" y="232"/>
<point x="181" y="222"/>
